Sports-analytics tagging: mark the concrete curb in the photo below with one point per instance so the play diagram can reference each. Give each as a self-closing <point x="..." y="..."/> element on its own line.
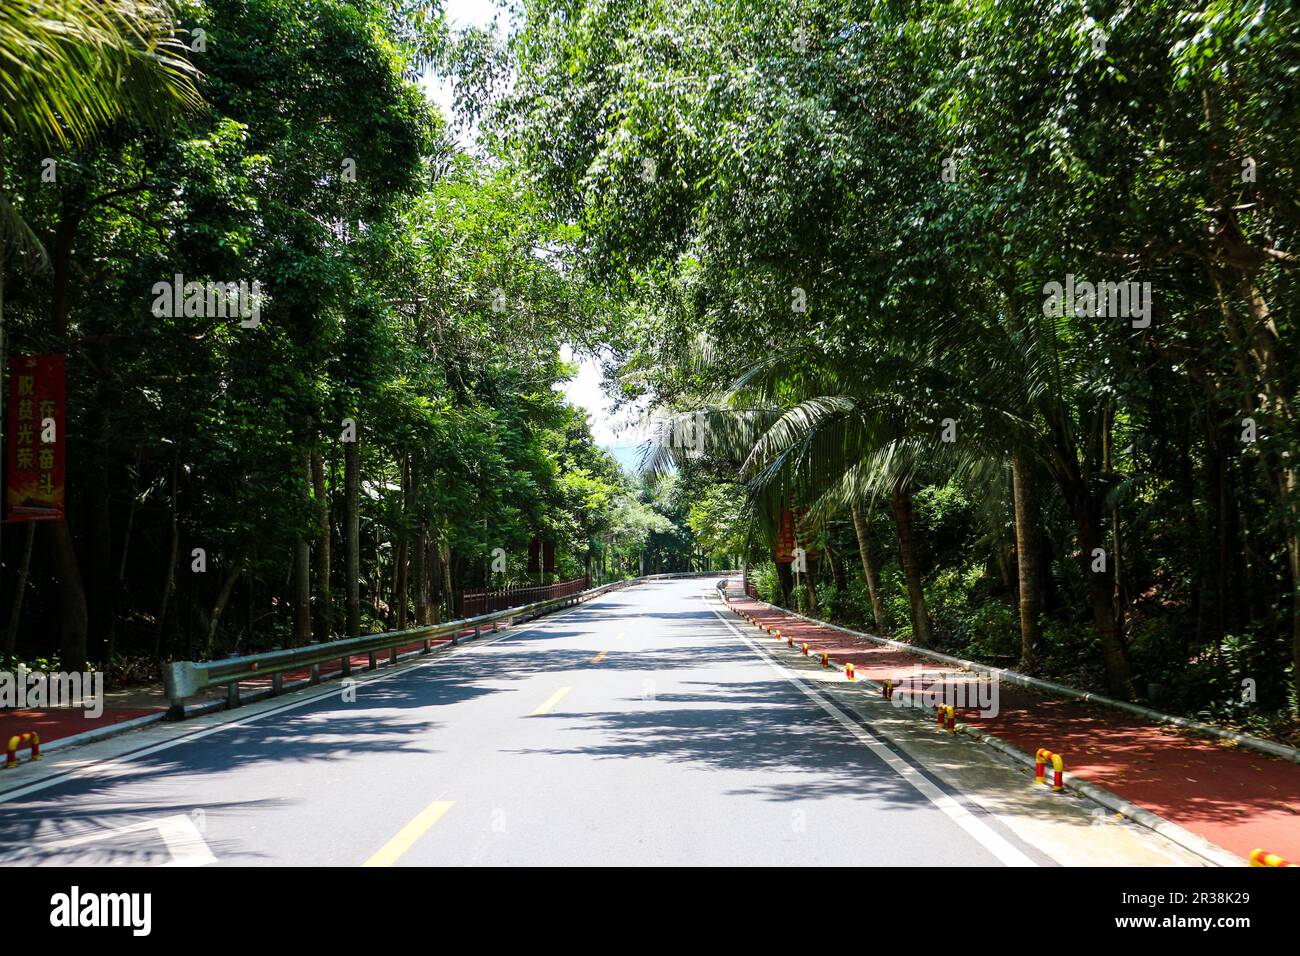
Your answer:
<point x="1268" y="747"/>
<point x="1201" y="847"/>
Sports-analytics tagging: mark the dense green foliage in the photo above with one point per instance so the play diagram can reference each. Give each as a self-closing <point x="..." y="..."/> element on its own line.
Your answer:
<point x="351" y="458"/>
<point x="836" y="224"/>
<point x="829" y="244"/>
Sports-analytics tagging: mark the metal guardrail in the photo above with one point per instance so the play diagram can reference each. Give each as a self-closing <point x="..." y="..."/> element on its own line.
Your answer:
<point x="186" y="679"/>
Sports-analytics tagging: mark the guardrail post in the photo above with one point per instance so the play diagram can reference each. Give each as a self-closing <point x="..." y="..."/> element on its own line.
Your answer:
<point x="374" y="662"/>
<point x="277" y="684"/>
<point x="428" y="646"/>
<point x="232" y="694"/>
<point x="313" y="675"/>
<point x="392" y="654"/>
<point x="478" y="631"/>
<point x="345" y="667"/>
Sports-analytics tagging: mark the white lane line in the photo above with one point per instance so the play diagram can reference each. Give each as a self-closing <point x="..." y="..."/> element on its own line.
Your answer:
<point x="185" y="842"/>
<point x="179" y="834"/>
<point x="988" y="838"/>
<point x="111" y="764"/>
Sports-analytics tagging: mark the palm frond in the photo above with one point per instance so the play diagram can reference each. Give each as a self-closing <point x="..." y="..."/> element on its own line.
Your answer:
<point x="71" y="67"/>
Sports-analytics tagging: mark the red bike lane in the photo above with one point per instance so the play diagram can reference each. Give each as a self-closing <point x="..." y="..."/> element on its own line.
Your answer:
<point x="1238" y="799"/>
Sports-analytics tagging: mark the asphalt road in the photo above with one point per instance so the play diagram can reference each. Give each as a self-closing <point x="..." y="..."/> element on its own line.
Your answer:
<point x="638" y="729"/>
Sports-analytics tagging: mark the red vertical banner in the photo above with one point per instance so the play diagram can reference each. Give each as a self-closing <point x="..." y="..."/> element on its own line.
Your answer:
<point x="785" y="537"/>
<point x="35" y="447"/>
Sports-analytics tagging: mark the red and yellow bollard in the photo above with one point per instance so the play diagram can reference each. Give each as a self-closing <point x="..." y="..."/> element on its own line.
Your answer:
<point x="776" y="634"/>
<point x="1264" y="858"/>
<point x="805" y="649"/>
<point x="22" y="740"/>
<point x="947" y="717"/>
<point x="826" y="660"/>
<point x="1040" y="768"/>
<point x="887" y="688"/>
<point x="849" y="672"/>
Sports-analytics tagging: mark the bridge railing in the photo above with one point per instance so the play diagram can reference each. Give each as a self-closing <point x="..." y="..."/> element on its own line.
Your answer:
<point x="187" y="679"/>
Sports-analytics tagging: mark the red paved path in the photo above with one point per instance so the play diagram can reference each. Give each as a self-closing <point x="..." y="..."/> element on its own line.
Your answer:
<point x="55" y="723"/>
<point x="1238" y="799"/>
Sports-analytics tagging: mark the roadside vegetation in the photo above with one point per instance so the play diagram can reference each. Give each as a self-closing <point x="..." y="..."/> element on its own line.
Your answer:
<point x="996" y="302"/>
<point x="347" y="458"/>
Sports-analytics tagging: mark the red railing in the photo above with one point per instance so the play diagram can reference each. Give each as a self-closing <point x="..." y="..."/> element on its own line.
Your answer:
<point x="483" y="602"/>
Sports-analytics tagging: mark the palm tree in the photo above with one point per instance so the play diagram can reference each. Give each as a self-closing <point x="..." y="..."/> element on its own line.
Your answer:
<point x="836" y="433"/>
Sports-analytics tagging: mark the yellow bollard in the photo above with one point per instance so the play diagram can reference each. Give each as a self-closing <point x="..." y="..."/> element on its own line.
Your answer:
<point x="1264" y="858"/>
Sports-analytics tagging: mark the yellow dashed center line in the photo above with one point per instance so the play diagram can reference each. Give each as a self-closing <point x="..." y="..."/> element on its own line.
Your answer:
<point x="392" y="851"/>
<point x="552" y="701"/>
<point x="599" y="657"/>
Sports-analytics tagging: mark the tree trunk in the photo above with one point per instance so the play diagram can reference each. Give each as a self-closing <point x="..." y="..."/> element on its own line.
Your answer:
<point x="130" y="520"/>
<point x="1293" y="560"/>
<point x="785" y="578"/>
<point x="223" y="597"/>
<point x="73" y="621"/>
<point x="324" y="600"/>
<point x="20" y="591"/>
<point x="73" y="617"/>
<point x="1101" y="594"/>
<point x="352" y="486"/>
<point x="1027" y="557"/>
<point x="838" y="572"/>
<point x="902" y="503"/>
<point x="869" y="569"/>
<point x="448" y="586"/>
<point x="420" y="569"/>
<point x="302" y="575"/>
<point x="102" y="590"/>
<point x="437" y="586"/>
<point x="169" y="580"/>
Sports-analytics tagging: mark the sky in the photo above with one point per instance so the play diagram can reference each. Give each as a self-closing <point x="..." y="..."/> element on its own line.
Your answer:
<point x="583" y="390"/>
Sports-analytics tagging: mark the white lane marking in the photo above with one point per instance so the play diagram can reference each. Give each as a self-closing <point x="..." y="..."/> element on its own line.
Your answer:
<point x="992" y="841"/>
<point x="102" y="767"/>
<point x="186" y="843"/>
<point x="182" y="838"/>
